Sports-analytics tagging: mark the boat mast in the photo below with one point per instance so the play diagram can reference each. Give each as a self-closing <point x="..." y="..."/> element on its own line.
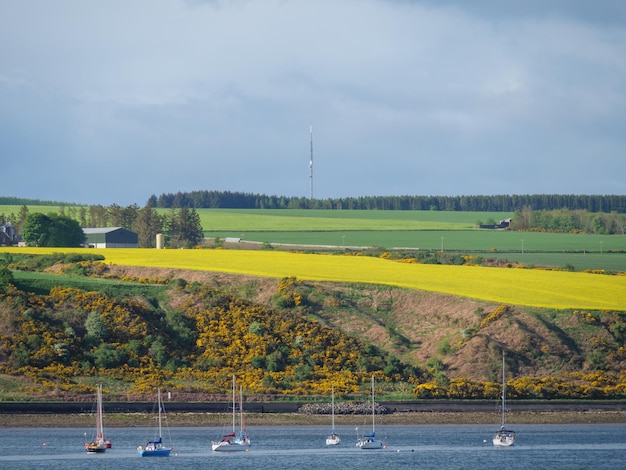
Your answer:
<point x="373" y="410"/>
<point x="333" y="404"/>
<point x="311" y="166"/>
<point x="503" y="392"/>
<point x="241" y="408"/>
<point x="99" y="431"/>
<point x="159" y="405"/>
<point x="234" y="403"/>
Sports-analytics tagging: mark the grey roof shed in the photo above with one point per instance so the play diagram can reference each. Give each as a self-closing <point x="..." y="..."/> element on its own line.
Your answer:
<point x="110" y="237"/>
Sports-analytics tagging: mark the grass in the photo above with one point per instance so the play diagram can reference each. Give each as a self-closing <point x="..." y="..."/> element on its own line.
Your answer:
<point x="303" y="219"/>
<point x="547" y="249"/>
<point x="471" y="240"/>
<point x="538" y="288"/>
<point x="41" y="283"/>
<point x="350" y="220"/>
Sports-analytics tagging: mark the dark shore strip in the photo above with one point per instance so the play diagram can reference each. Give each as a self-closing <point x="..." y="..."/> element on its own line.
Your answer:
<point x="119" y="420"/>
<point x="39" y="414"/>
<point x="314" y="408"/>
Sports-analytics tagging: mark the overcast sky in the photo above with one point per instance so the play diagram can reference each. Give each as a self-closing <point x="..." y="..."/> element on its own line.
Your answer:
<point x="106" y="102"/>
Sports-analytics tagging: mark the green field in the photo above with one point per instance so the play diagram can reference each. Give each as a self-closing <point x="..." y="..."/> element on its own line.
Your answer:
<point x="42" y="283"/>
<point x="431" y="230"/>
<point x="258" y="220"/>
<point x="423" y="230"/>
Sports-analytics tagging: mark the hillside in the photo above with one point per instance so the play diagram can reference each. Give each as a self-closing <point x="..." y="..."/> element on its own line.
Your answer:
<point x="296" y="337"/>
<point x="426" y="328"/>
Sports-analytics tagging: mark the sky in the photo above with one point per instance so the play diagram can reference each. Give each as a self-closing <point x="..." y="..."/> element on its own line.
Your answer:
<point x="112" y="102"/>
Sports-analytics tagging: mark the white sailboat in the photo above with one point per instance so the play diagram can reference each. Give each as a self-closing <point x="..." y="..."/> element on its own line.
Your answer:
<point x="99" y="444"/>
<point x="333" y="438"/>
<point x="155" y="448"/>
<point x="234" y="442"/>
<point x="503" y="437"/>
<point x="369" y="441"/>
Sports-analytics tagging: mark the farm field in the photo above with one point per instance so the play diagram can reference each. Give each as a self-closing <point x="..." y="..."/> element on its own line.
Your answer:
<point x="529" y="287"/>
<point x="312" y="220"/>
<point x="304" y="219"/>
<point x="546" y="249"/>
<point x="471" y="240"/>
<point x="424" y="230"/>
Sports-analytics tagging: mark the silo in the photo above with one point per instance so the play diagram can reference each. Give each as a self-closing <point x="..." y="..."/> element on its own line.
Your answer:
<point x="160" y="241"/>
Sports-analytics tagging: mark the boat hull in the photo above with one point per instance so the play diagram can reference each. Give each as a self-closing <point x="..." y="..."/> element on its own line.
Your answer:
<point x="332" y="440"/>
<point x="370" y="445"/>
<point x="155" y="453"/>
<point x="504" y="439"/>
<point x="226" y="447"/>
<point x="95" y="448"/>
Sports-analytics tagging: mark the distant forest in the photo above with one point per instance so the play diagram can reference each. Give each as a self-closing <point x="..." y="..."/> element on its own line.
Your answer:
<point x="20" y="201"/>
<point x="497" y="203"/>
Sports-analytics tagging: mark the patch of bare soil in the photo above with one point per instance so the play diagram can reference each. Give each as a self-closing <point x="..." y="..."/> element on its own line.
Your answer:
<point x="263" y="288"/>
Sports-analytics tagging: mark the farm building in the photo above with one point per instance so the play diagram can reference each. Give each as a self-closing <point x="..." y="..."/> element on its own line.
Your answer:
<point x="9" y="236"/>
<point x="110" y="237"/>
<point x="506" y="223"/>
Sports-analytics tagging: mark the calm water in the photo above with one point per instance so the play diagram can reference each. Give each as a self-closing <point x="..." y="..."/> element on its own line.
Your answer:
<point x="408" y="447"/>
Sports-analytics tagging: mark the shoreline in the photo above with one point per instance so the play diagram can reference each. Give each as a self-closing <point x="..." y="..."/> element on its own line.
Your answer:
<point x="119" y="420"/>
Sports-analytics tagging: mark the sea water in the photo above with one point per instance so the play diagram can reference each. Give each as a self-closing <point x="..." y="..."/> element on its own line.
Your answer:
<point x="303" y="447"/>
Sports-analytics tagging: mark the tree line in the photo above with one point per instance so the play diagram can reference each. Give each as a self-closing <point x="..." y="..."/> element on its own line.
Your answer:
<point x="496" y="203"/>
<point x="570" y="221"/>
<point x="181" y="227"/>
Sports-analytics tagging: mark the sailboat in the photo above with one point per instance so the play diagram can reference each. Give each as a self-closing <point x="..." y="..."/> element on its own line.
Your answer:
<point x="503" y="437"/>
<point x="333" y="438"/>
<point x="234" y="441"/>
<point x="369" y="441"/>
<point x="156" y="448"/>
<point x="99" y="444"/>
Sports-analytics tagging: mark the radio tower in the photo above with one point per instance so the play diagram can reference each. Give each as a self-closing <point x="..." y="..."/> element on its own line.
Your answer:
<point x="311" y="166"/>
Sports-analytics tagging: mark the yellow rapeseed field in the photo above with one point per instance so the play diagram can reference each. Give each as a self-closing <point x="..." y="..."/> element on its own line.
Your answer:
<point x="530" y="287"/>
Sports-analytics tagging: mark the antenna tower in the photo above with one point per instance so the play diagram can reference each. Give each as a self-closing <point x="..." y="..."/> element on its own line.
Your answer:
<point x="311" y="165"/>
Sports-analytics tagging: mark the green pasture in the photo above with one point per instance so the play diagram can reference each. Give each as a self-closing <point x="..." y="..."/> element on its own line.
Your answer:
<point x="42" y="283"/>
<point x="476" y="240"/>
<point x="552" y="249"/>
<point x="8" y="210"/>
<point x="312" y="220"/>
<point x="424" y="230"/>
<point x="297" y="220"/>
<point x="611" y="262"/>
